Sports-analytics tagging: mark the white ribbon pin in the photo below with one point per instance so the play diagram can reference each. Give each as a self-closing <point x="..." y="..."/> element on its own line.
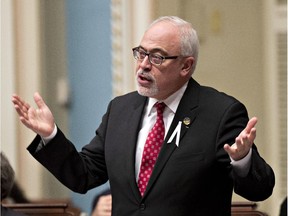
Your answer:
<point x="177" y="132"/>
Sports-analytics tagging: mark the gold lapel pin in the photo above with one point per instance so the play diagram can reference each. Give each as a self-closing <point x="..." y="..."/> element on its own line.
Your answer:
<point x="186" y="121"/>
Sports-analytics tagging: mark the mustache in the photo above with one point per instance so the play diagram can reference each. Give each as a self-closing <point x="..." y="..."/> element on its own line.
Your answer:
<point x="146" y="75"/>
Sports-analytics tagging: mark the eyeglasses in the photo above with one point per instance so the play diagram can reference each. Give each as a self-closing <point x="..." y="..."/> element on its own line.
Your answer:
<point x="139" y="54"/>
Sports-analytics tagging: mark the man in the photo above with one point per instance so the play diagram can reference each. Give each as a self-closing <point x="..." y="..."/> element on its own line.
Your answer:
<point x="198" y="131"/>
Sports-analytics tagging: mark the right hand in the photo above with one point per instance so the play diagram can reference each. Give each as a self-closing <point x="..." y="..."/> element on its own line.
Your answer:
<point x="103" y="206"/>
<point x="39" y="120"/>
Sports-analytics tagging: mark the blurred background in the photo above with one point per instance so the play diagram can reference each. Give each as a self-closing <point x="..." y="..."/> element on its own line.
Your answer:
<point x="77" y="54"/>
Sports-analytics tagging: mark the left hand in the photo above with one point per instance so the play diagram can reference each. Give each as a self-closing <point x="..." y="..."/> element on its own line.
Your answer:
<point x="243" y="142"/>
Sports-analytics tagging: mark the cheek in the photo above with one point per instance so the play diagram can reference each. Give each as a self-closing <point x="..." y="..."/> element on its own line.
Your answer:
<point x="170" y="75"/>
<point x="166" y="80"/>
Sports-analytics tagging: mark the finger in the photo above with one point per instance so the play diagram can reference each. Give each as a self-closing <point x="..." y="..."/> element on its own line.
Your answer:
<point x="252" y="135"/>
<point x="39" y="100"/>
<point x="245" y="138"/>
<point x="242" y="142"/>
<point x="17" y="100"/>
<point x="18" y="110"/>
<point x="22" y="112"/>
<point x="251" y="124"/>
<point x="26" y="122"/>
<point x="21" y="106"/>
<point x="108" y="198"/>
<point x="17" y="103"/>
<point x="249" y="138"/>
<point x="108" y="207"/>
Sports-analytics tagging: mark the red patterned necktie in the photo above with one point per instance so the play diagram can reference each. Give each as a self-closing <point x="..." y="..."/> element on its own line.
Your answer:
<point x="152" y="148"/>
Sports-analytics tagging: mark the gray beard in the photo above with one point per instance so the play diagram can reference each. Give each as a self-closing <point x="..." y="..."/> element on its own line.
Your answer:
<point x="148" y="92"/>
<point x="144" y="91"/>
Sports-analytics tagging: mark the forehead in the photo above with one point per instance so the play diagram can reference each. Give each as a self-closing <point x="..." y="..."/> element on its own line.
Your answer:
<point x="163" y="36"/>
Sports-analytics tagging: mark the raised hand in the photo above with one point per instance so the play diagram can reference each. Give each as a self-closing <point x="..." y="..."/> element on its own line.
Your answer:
<point x="40" y="120"/>
<point x="243" y="142"/>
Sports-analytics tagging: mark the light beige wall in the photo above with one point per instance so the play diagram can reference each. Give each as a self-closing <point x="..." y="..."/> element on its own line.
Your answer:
<point x="54" y="80"/>
<point x="27" y="66"/>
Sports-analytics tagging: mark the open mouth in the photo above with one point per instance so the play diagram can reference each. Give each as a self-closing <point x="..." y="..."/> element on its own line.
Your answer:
<point x="141" y="77"/>
<point x="144" y="80"/>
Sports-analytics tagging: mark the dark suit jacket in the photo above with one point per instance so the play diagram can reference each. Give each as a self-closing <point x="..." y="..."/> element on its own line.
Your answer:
<point x="195" y="178"/>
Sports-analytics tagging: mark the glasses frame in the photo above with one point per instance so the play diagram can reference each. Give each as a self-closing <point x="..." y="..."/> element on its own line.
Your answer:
<point x="163" y="58"/>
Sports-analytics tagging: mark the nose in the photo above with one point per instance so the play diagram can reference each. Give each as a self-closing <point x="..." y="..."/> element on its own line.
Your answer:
<point x="145" y="64"/>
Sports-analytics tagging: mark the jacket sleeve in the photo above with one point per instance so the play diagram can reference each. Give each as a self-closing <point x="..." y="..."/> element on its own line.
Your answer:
<point x="79" y="171"/>
<point x="258" y="184"/>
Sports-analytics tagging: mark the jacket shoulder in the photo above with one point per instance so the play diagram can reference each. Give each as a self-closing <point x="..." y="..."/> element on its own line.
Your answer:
<point x="212" y="94"/>
<point x="132" y="98"/>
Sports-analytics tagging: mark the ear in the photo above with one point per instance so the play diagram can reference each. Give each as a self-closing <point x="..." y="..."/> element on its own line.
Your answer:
<point x="187" y="65"/>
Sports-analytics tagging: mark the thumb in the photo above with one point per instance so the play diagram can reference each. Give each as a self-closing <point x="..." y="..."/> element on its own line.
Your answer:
<point x="39" y="100"/>
<point x="228" y="148"/>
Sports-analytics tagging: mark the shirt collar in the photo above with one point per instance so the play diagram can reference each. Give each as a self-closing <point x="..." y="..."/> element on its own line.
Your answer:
<point x="171" y="102"/>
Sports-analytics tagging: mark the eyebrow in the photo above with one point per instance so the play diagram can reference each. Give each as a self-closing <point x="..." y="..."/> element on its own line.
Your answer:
<point x="155" y="50"/>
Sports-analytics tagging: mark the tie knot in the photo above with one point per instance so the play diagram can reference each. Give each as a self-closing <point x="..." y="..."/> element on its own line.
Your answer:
<point x="160" y="107"/>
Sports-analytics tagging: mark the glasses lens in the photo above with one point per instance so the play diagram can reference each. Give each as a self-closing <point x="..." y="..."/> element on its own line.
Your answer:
<point x="139" y="54"/>
<point x="142" y="54"/>
<point x="156" y="59"/>
<point x="136" y="54"/>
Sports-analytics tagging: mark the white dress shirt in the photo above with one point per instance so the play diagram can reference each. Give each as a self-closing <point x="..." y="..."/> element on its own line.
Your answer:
<point x="149" y="119"/>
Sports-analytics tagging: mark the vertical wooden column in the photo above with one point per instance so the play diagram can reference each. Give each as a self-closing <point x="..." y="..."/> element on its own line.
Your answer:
<point x="28" y="70"/>
<point x="129" y="20"/>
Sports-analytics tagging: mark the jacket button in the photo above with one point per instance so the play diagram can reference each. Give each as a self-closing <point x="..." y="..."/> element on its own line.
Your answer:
<point x="142" y="206"/>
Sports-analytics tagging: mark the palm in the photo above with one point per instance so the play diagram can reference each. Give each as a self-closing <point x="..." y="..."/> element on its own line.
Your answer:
<point x="243" y="142"/>
<point x="39" y="120"/>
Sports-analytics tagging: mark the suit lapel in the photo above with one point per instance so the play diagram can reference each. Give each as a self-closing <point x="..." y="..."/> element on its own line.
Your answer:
<point x="188" y="108"/>
<point x="133" y="130"/>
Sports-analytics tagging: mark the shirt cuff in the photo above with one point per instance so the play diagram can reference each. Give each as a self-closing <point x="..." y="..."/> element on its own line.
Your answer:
<point x="242" y="166"/>
<point x="50" y="137"/>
